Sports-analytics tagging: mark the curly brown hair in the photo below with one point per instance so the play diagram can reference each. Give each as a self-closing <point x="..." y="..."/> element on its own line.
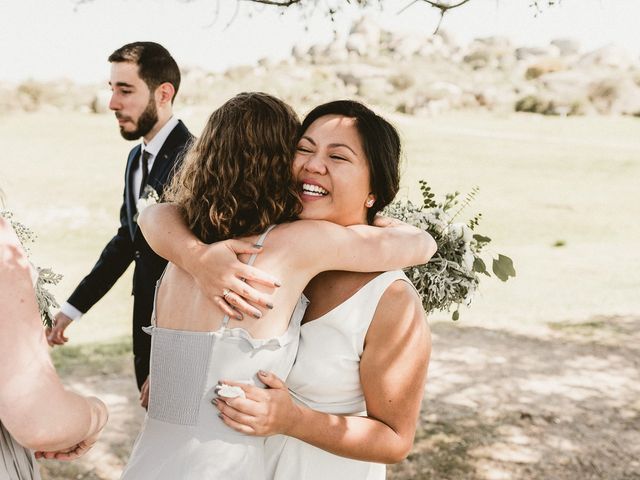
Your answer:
<point x="236" y="179"/>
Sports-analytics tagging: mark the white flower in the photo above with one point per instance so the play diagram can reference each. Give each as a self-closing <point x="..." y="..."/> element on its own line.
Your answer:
<point x="228" y="391"/>
<point x="467" y="260"/>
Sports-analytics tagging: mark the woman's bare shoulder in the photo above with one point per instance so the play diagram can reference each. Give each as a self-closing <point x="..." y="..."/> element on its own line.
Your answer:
<point x="400" y="308"/>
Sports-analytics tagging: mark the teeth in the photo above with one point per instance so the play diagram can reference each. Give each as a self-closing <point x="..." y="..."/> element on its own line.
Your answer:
<point x="313" y="190"/>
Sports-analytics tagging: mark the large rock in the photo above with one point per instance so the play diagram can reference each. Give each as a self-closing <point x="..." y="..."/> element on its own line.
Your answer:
<point x="616" y="96"/>
<point x="612" y="56"/>
<point x="404" y="47"/>
<point x="566" y="46"/>
<point x="526" y="53"/>
<point x="100" y="102"/>
<point x="369" y="30"/>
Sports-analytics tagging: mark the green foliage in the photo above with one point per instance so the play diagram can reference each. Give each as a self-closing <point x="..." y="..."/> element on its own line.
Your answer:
<point x="451" y="278"/>
<point x="46" y="276"/>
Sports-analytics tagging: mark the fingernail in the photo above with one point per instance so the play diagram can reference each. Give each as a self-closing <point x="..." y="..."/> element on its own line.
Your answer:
<point x="262" y="373"/>
<point x="257" y="315"/>
<point x="220" y="416"/>
<point x="277" y="283"/>
<point x="270" y="305"/>
<point x="239" y="317"/>
<point x="255" y="245"/>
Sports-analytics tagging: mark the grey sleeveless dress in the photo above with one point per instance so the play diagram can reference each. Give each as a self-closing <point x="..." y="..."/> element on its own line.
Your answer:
<point x="182" y="436"/>
<point x="16" y="462"/>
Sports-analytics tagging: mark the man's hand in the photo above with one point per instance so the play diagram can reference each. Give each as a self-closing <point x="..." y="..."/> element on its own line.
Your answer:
<point x="55" y="335"/>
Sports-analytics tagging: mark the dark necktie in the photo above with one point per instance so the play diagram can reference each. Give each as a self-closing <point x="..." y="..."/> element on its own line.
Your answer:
<point x="145" y="170"/>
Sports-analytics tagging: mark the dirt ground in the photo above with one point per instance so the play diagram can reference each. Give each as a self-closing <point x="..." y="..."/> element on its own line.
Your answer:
<point x="560" y="402"/>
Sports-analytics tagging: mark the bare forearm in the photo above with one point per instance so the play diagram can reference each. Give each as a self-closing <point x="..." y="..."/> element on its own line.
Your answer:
<point x="54" y="420"/>
<point x="398" y="246"/>
<point x="165" y="230"/>
<point x="360" y="438"/>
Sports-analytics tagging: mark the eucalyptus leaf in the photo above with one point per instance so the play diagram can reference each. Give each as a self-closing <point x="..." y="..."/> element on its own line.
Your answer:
<point x="481" y="238"/>
<point x="503" y="267"/>
<point x="480" y="267"/>
<point x="456" y="315"/>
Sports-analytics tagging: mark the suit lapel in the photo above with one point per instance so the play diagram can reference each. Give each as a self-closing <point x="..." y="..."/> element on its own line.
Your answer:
<point x="167" y="157"/>
<point x="162" y="165"/>
<point x="130" y="201"/>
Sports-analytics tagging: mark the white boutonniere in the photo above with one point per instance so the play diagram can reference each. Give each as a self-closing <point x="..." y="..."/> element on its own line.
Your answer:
<point x="149" y="197"/>
<point x="46" y="276"/>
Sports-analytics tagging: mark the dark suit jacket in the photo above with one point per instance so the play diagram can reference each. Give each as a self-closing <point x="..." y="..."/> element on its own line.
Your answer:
<point x="129" y="245"/>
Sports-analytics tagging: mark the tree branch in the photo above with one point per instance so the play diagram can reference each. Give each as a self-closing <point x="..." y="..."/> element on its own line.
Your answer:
<point x="276" y="3"/>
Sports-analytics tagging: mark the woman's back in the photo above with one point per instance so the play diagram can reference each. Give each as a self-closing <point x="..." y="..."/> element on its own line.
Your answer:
<point x="191" y="352"/>
<point x="193" y="311"/>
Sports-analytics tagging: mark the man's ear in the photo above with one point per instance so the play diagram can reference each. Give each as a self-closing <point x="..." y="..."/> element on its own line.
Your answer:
<point x="165" y="93"/>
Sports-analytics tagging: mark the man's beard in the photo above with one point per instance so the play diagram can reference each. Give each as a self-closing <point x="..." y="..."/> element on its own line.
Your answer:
<point x="145" y="123"/>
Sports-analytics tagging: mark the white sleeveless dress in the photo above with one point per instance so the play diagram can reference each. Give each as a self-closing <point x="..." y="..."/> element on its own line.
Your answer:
<point x="182" y="437"/>
<point x="326" y="378"/>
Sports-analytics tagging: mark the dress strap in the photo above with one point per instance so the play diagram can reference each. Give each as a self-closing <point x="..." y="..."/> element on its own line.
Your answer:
<point x="259" y="243"/>
<point x="155" y="296"/>
<point x="225" y="320"/>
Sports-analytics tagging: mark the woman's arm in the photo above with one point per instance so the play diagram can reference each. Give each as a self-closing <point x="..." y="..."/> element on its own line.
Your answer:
<point x="214" y="267"/>
<point x="34" y="406"/>
<point x="326" y="246"/>
<point x="393" y="373"/>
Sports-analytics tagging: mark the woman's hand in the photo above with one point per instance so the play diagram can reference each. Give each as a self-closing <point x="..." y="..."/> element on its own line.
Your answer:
<point x="222" y="277"/>
<point x="263" y="412"/>
<point x="100" y="420"/>
<point x="70" y="453"/>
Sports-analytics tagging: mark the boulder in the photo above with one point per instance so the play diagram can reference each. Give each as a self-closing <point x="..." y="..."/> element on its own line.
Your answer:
<point x="566" y="46"/>
<point x="616" y="96"/>
<point x="100" y="102"/>
<point x="612" y="56"/>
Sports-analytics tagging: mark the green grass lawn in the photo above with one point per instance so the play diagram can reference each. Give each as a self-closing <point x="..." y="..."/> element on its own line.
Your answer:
<point x="543" y="181"/>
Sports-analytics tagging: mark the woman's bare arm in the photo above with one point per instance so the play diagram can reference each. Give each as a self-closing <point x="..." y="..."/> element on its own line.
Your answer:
<point x="322" y="246"/>
<point x="393" y="373"/>
<point x="34" y="405"/>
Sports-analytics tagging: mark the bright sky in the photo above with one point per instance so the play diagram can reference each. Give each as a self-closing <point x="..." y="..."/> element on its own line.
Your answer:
<point x="62" y="38"/>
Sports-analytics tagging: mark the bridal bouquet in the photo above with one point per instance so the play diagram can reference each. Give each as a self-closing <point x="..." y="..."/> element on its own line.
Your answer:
<point x="46" y="276"/>
<point x="452" y="276"/>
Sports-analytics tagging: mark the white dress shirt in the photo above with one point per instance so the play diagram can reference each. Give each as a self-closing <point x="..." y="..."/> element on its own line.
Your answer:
<point x="153" y="147"/>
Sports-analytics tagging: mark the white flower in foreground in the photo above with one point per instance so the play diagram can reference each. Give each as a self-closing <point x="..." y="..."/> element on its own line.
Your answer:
<point x="467" y="260"/>
<point x="229" y="391"/>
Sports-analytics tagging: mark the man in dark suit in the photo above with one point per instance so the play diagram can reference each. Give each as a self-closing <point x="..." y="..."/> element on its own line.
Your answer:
<point x="144" y="81"/>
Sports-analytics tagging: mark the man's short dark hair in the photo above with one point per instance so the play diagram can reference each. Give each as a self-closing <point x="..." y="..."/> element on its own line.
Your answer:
<point x="155" y="64"/>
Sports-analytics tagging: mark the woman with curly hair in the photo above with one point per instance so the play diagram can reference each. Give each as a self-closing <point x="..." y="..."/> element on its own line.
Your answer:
<point x="237" y="181"/>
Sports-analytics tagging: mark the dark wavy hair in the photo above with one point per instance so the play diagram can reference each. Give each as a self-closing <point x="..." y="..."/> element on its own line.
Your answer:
<point x="381" y="144"/>
<point x="236" y="179"/>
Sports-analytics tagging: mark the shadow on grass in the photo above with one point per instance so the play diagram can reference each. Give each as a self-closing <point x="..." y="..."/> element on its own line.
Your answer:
<point x="561" y="405"/>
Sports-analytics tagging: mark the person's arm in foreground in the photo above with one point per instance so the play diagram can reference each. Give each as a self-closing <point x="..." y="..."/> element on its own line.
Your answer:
<point x="393" y="373"/>
<point x="34" y="405"/>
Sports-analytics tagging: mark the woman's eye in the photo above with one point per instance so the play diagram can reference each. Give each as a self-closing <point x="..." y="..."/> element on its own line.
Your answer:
<point x="302" y="149"/>
<point x="338" y="157"/>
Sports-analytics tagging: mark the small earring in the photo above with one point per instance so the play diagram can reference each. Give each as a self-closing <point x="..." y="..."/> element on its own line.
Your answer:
<point x="370" y="203"/>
